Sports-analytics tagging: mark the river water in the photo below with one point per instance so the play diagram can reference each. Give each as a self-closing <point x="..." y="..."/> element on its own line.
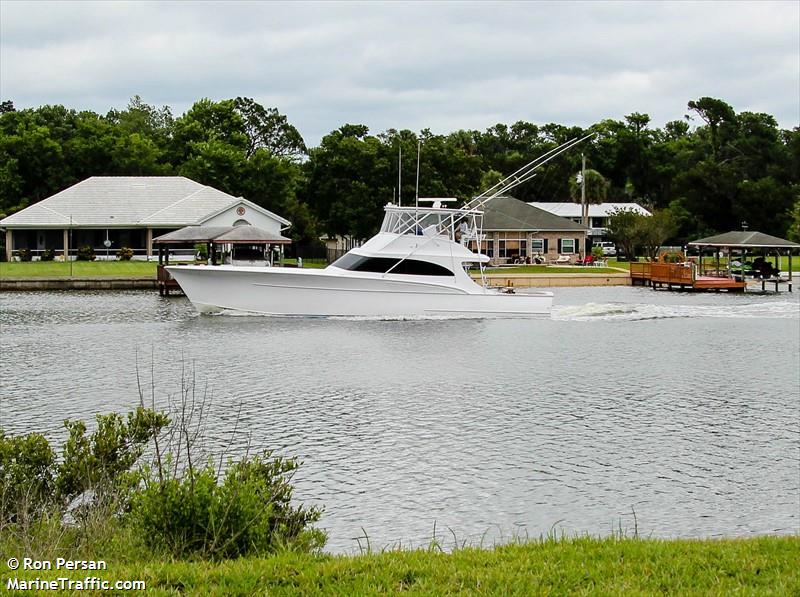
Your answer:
<point x="681" y="408"/>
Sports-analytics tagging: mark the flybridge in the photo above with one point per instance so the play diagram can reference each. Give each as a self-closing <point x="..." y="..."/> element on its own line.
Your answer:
<point x="458" y="225"/>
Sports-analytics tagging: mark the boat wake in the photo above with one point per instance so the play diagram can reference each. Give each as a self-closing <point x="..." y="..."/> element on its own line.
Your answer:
<point x="431" y="317"/>
<point x="641" y="312"/>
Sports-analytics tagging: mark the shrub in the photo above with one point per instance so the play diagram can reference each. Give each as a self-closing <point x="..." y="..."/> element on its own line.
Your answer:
<point x="672" y="257"/>
<point x="97" y="466"/>
<point x="249" y="512"/>
<point x="125" y="254"/>
<point x="201" y="251"/>
<point x="109" y="497"/>
<point x="86" y="253"/>
<point x="27" y="483"/>
<point x="597" y="252"/>
<point x="102" y="462"/>
<point x="48" y="255"/>
<point x="24" y="254"/>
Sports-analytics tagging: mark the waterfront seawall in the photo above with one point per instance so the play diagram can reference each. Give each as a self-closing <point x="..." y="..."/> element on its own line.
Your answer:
<point x="100" y="283"/>
<point x="494" y="279"/>
<point x="556" y="280"/>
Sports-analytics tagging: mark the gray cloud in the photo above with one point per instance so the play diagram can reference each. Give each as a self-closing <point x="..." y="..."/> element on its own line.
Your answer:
<point x="442" y="66"/>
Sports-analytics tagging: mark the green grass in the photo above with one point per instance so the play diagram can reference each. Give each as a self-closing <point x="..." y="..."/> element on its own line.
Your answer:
<point x="550" y="269"/>
<point x="78" y="269"/>
<point x="755" y="566"/>
<point x="98" y="269"/>
<point x="308" y="263"/>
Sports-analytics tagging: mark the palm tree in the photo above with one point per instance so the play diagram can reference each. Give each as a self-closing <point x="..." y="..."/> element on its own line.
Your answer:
<point x="596" y="188"/>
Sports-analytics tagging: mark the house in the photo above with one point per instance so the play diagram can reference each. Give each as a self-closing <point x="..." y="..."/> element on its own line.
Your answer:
<point x="516" y="230"/>
<point x="110" y="212"/>
<point x="598" y="214"/>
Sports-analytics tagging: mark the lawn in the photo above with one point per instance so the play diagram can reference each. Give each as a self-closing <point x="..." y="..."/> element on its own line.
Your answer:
<point x="549" y="269"/>
<point x="612" y="566"/>
<point x="78" y="269"/>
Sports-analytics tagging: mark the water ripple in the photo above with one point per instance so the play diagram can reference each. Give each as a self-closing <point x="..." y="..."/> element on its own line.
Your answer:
<point x="680" y="407"/>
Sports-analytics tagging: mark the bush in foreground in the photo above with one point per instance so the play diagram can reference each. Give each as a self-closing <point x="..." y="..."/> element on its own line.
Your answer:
<point x="249" y="511"/>
<point x="100" y="496"/>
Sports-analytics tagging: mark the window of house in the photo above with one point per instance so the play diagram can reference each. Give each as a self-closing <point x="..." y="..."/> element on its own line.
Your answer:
<point x="487" y="247"/>
<point x="567" y="246"/>
<point x="537" y="245"/>
<point x="513" y="245"/>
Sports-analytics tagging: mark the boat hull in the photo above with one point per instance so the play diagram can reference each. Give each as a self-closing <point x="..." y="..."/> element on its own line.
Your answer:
<point x="319" y="293"/>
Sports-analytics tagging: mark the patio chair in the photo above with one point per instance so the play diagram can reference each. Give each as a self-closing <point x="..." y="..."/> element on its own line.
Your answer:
<point x="563" y="260"/>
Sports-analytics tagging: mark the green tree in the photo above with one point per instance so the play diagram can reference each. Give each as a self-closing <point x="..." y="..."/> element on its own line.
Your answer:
<point x="596" y="187"/>
<point x="267" y="129"/>
<point x="215" y="163"/>
<point x="794" y="223"/>
<point x="623" y="229"/>
<point x="716" y="114"/>
<point x="652" y="231"/>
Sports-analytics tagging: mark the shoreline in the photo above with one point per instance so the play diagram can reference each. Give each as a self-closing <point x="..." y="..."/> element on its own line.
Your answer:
<point x="148" y="283"/>
<point x="93" y="283"/>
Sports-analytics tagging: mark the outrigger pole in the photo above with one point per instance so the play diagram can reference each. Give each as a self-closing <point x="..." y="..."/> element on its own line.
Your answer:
<point x="524" y="174"/>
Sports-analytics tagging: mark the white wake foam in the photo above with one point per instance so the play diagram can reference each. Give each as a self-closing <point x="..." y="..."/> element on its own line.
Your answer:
<point x="642" y="311"/>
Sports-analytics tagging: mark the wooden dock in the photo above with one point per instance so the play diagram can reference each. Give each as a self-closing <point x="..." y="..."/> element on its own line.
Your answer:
<point x="166" y="283"/>
<point x="683" y="277"/>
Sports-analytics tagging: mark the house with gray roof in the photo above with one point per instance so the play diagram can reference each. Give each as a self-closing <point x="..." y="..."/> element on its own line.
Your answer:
<point x="110" y="212"/>
<point x="599" y="214"/>
<point x="516" y="231"/>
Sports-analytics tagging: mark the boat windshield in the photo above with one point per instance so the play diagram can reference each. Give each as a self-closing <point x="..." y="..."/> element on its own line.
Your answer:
<point x="455" y="224"/>
<point x="409" y="267"/>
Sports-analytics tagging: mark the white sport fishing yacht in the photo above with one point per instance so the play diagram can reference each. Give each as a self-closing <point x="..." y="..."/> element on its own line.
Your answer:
<point x="417" y="265"/>
<point x="412" y="267"/>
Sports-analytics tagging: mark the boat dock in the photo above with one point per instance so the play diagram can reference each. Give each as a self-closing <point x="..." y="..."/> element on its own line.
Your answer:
<point x="689" y="276"/>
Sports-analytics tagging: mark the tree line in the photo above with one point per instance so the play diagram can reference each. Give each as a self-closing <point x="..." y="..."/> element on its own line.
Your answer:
<point x="707" y="173"/>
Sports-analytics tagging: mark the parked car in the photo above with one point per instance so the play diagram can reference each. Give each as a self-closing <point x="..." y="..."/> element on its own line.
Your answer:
<point x="609" y="249"/>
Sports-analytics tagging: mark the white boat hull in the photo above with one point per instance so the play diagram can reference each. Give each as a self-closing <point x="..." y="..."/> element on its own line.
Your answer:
<point x="298" y="292"/>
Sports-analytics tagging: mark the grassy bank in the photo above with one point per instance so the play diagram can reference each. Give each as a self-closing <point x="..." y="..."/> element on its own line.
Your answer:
<point x="97" y="269"/>
<point x="78" y="269"/>
<point x="551" y="269"/>
<point x="765" y="565"/>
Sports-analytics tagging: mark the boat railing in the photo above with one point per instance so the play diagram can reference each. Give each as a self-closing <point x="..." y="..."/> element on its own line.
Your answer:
<point x="458" y="225"/>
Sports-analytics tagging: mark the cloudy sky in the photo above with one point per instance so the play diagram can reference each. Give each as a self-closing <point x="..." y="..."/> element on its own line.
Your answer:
<point x="443" y="66"/>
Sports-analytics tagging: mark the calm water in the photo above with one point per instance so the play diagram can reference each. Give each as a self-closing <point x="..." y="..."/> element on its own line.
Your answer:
<point x="681" y="407"/>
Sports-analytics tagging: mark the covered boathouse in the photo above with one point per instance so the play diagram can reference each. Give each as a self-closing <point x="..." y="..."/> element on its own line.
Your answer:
<point x="727" y="268"/>
<point x="107" y="213"/>
<point x="238" y="245"/>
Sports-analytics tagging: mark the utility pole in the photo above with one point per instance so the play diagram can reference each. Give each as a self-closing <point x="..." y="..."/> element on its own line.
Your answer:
<point x="584" y="207"/>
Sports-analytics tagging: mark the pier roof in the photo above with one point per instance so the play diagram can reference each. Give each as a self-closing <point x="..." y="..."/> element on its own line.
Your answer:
<point x="745" y="239"/>
<point x="251" y="235"/>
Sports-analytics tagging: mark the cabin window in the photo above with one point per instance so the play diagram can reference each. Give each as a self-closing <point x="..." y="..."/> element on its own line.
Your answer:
<point x="381" y="265"/>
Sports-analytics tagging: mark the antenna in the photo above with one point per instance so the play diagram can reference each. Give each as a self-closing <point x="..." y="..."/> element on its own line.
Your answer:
<point x="419" y="150"/>
<point x="399" y="172"/>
